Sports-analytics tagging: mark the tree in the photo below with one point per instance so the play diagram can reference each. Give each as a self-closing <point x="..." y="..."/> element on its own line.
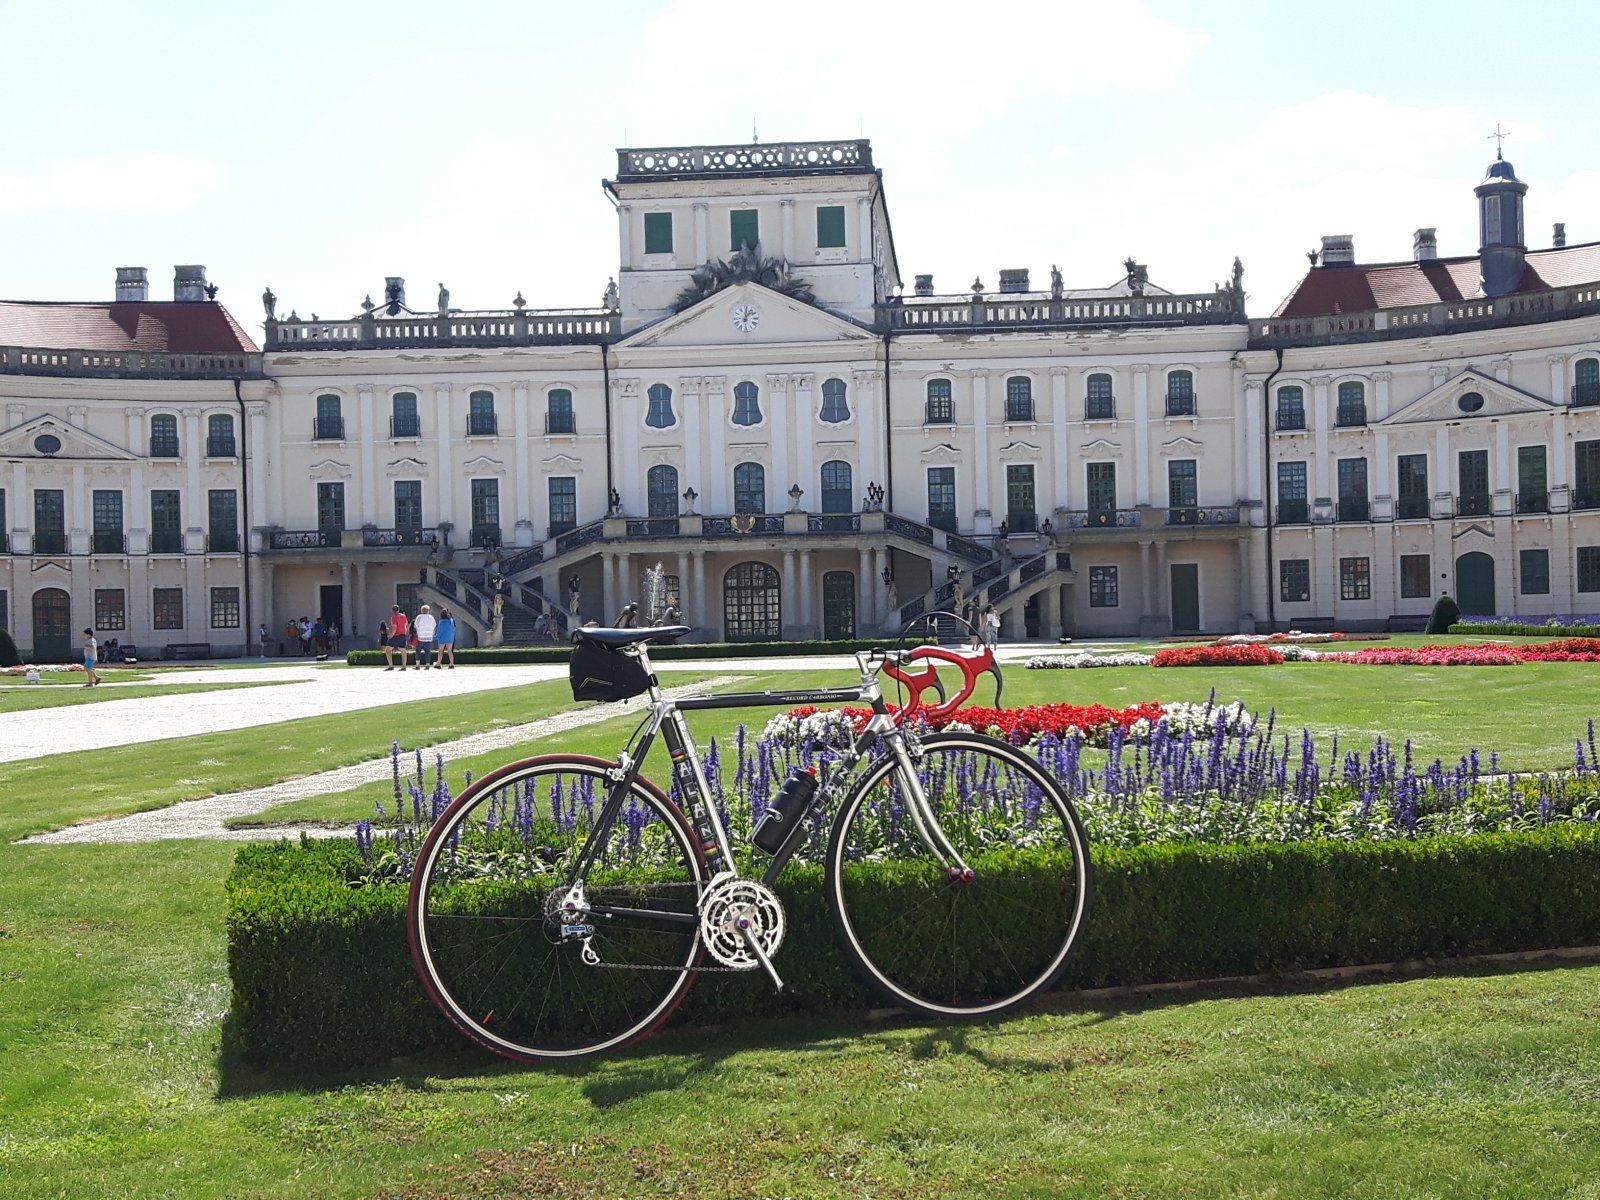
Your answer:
<point x="744" y="265"/>
<point x="1446" y="612"/>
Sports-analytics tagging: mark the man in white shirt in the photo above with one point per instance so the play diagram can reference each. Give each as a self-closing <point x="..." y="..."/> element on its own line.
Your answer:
<point x="426" y="625"/>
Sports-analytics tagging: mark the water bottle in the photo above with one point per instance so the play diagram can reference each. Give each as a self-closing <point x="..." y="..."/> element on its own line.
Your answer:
<point x="791" y="803"/>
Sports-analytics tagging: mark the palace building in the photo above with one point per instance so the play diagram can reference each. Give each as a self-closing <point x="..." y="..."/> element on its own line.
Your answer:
<point x="806" y="447"/>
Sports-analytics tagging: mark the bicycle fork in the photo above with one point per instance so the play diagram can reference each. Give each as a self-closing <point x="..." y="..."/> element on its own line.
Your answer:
<point x="923" y="820"/>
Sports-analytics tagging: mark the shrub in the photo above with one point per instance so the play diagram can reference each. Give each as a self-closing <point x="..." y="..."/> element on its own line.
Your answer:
<point x="322" y="975"/>
<point x="1446" y="612"/>
<point x="560" y="653"/>
<point x="8" y="651"/>
<point x="1515" y="628"/>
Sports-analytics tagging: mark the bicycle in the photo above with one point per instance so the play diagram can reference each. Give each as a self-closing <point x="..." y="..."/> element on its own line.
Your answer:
<point x="538" y="950"/>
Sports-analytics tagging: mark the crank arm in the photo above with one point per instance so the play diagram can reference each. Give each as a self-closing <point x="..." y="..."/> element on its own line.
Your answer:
<point x="754" y="943"/>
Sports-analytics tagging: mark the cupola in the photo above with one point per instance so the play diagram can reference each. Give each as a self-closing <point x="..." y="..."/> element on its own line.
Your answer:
<point x="1502" y="242"/>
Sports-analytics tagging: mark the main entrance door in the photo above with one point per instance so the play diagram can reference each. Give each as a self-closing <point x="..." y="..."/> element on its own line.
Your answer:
<point x="752" y="603"/>
<point x="1475" y="584"/>
<point x="838" y="604"/>
<point x="330" y="605"/>
<point x="1185" y="598"/>
<point x="52" y="625"/>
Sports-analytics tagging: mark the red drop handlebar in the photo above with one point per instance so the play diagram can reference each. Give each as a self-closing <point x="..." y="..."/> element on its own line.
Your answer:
<point x="973" y="663"/>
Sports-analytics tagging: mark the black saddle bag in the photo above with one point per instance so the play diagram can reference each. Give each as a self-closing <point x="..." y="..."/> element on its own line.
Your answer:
<point x="599" y="673"/>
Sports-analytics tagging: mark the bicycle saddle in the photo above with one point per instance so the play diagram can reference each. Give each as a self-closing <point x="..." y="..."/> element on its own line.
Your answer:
<point x="617" y="638"/>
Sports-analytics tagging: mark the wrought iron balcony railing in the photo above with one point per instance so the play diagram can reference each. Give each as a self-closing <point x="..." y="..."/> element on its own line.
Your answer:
<point x="108" y="541"/>
<point x="1533" y="502"/>
<point x="221" y="447"/>
<point x="1354" y="510"/>
<point x="1180" y="406"/>
<point x="1103" y="518"/>
<point x="1216" y="514"/>
<point x="1412" y="508"/>
<point x="1474" y="504"/>
<point x="223" y="541"/>
<point x="482" y="425"/>
<point x="485" y="537"/>
<point x="405" y="425"/>
<point x="327" y="429"/>
<point x="46" y="541"/>
<point x="408" y="535"/>
<point x="1585" y="395"/>
<point x="1293" y="512"/>
<point x="166" y="542"/>
<point x="304" y="539"/>
<point x="560" y="423"/>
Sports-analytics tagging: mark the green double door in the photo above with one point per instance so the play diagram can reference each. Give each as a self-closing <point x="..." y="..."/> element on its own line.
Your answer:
<point x="1475" y="584"/>
<point x="1185" y="597"/>
<point x="52" y="625"/>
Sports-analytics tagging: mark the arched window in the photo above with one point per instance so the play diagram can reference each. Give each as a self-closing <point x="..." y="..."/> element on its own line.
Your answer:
<point x="1019" y="398"/>
<point x="837" y="490"/>
<point x="752" y="603"/>
<point x="219" y="436"/>
<point x="403" y="419"/>
<point x="1098" y="403"/>
<point x="1586" y="381"/>
<point x="163" y="436"/>
<point x="1180" y="393"/>
<point x="661" y="488"/>
<point x="834" y="407"/>
<point x="558" y="416"/>
<point x="746" y="404"/>
<point x="1352" y="408"/>
<point x="941" y="408"/>
<point x="329" y="422"/>
<point x="660" y="414"/>
<point x="1291" y="407"/>
<point x="749" y="488"/>
<point x="480" y="414"/>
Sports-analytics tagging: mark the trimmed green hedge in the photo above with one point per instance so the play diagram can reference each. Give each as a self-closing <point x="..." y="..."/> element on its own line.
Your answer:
<point x="561" y="652"/>
<point x="1527" y="629"/>
<point x="322" y="975"/>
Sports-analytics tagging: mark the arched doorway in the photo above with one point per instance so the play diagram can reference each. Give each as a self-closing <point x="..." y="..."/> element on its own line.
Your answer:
<point x="1475" y="584"/>
<point x="752" y="603"/>
<point x="52" y="625"/>
<point x="838" y="604"/>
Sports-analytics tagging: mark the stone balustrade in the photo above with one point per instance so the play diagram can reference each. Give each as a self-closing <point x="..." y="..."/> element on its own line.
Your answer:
<point x="771" y="158"/>
<point x="128" y="364"/>
<point x="512" y="327"/>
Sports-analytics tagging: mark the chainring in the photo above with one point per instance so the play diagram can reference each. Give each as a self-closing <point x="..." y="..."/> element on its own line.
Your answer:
<point x="731" y="905"/>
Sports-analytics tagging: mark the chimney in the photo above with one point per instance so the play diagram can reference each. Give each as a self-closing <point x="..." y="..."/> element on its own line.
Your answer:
<point x="1559" y="238"/>
<point x="132" y="284"/>
<point x="189" y="284"/>
<point x="1013" y="281"/>
<point x="1338" y="250"/>
<point x="1425" y="245"/>
<point x="924" y="285"/>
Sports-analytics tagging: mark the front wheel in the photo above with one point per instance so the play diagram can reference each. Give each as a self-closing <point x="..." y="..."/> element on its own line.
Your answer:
<point x="952" y="947"/>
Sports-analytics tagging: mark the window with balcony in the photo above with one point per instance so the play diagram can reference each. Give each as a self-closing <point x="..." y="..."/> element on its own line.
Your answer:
<point x="1098" y="402"/>
<point x="110" y="609"/>
<point x="1294" y="580"/>
<point x="1293" y="508"/>
<point x="404" y="422"/>
<point x="746" y="404"/>
<point x="941" y="408"/>
<point x="1022" y="514"/>
<point x="163" y="436"/>
<point x="486" y="513"/>
<point x="661" y="491"/>
<point x="1352" y="407"/>
<point x="167" y="607"/>
<point x="838" y="490"/>
<point x="408" y="505"/>
<point x="834" y="407"/>
<point x="660" y="415"/>
<point x="658" y="233"/>
<point x="749" y="488"/>
<point x="1291" y="407"/>
<point x="166" y="522"/>
<point x="1586" y="382"/>
<point x="559" y="417"/>
<point x="1101" y="483"/>
<point x="1019" y="398"/>
<point x="1353" y="489"/>
<point x="328" y="425"/>
<point x="1411" y="499"/>
<point x="830" y="226"/>
<point x="224" y="608"/>
<point x="1180" y="393"/>
<point x="1533" y="480"/>
<point x="942" y="498"/>
<point x="1472" y="482"/>
<point x="1183" y="484"/>
<point x="108" y="535"/>
<point x="744" y="229"/>
<point x="1103" y="587"/>
<point x="222" y="521"/>
<point x="1534" y="571"/>
<point x="480" y="414"/>
<point x="563" y="496"/>
<point x="1586" y="474"/>
<point x="219" y="436"/>
<point x="330" y="510"/>
<point x="1589" y="568"/>
<point x="1416" y="576"/>
<point x="1355" y="579"/>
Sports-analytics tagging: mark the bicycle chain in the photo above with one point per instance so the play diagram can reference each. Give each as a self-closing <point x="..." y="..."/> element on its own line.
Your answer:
<point x="675" y="970"/>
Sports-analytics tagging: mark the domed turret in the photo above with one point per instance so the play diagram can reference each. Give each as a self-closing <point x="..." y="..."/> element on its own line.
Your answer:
<point x="1501" y="237"/>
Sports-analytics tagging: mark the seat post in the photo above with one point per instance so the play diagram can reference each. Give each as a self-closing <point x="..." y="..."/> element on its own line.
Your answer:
<point x="643" y="649"/>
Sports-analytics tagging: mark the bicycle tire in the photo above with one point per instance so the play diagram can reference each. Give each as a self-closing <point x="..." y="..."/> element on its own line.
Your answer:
<point x="982" y="965"/>
<point x="582" y="1010"/>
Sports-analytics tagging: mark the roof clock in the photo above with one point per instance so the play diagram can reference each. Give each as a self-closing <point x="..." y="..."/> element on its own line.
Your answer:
<point x="745" y="317"/>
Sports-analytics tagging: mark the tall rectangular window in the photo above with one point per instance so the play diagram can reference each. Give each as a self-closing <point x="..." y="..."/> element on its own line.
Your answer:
<point x="1353" y="489"/>
<point x="408" y="504"/>
<point x="167" y="605"/>
<point x="563" y="503"/>
<point x="49" y="521"/>
<point x="1019" y="398"/>
<point x="403" y="419"/>
<point x="5" y="609"/>
<point x="108" y="522"/>
<point x="5" y="529"/>
<point x="222" y="521"/>
<point x="1102" y="587"/>
<point x="110" y="609"/>
<point x="942" y="498"/>
<point x="1533" y="480"/>
<point x="330" y="508"/>
<point x="1535" y="572"/>
<point x="1292" y="506"/>
<point x="480" y="414"/>
<point x="1101" y="478"/>
<point x="941" y="408"/>
<point x="1352" y="407"/>
<point x="1098" y="402"/>
<point x="329" y="422"/>
<point x="1586" y="474"/>
<point x="166" y="522"/>
<point x="1415" y="576"/>
<point x="1294" y="580"/>
<point x="1589" y="568"/>
<point x="1411" y="501"/>
<point x="486" y="512"/>
<point x="658" y="233"/>
<point x="224" y="608"/>
<point x="1021" y="513"/>
<point x="744" y="229"/>
<point x="1183" y="486"/>
<point x="830" y="226"/>
<point x="1291" y="407"/>
<point x="1355" y="579"/>
<point x="1472" y="474"/>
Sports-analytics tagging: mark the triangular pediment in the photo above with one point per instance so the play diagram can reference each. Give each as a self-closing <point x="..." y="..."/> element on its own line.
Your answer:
<point x="747" y="314"/>
<point x="23" y="441"/>
<point x="1443" y="403"/>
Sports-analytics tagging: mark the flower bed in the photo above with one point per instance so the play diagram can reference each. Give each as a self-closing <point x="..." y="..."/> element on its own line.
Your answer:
<point x="1494" y="655"/>
<point x="1577" y="624"/>
<point x="1083" y="659"/>
<point x="1217" y="656"/>
<point x="1019" y="726"/>
<point x="1292" y="638"/>
<point x="43" y="668"/>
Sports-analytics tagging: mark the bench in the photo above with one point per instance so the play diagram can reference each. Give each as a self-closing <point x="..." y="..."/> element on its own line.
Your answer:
<point x="1407" y="624"/>
<point x="177" y="650"/>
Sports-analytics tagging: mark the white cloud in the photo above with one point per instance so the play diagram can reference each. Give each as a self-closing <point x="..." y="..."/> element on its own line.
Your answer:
<point x="109" y="183"/>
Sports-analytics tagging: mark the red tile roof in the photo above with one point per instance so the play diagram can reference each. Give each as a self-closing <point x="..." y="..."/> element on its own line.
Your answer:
<point x="195" y="327"/>
<point x="1326" y="290"/>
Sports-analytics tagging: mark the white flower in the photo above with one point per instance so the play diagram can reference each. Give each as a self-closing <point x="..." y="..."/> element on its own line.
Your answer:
<point x="1198" y="719"/>
<point x="1047" y="662"/>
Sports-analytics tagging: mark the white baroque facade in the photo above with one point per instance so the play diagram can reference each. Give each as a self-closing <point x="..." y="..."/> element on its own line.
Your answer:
<point x="807" y="452"/>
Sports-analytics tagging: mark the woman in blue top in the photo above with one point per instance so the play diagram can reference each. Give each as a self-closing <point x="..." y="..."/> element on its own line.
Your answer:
<point x="444" y="639"/>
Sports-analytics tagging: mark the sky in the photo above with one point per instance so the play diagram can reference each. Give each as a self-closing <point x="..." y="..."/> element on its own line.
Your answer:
<point x="317" y="148"/>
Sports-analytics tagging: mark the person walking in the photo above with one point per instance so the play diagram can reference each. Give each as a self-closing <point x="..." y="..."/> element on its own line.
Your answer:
<point x="426" y="626"/>
<point x="400" y="635"/>
<point x="991" y="627"/>
<point x="445" y="639"/>
<point x="91" y="656"/>
<point x="388" y="649"/>
<point x="261" y="635"/>
<point x="306" y="631"/>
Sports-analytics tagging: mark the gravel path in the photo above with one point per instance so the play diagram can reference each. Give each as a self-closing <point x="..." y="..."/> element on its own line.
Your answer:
<point x="205" y="818"/>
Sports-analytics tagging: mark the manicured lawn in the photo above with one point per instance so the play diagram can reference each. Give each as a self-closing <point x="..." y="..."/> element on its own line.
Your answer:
<point x="68" y="678"/>
<point x="20" y="700"/>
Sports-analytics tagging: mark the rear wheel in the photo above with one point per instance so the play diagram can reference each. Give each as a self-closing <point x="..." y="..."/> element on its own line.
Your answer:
<point x="517" y="958"/>
<point x="950" y="947"/>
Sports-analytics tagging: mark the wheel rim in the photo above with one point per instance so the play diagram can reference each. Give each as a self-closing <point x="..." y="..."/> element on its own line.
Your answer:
<point x="961" y="948"/>
<point x="487" y="914"/>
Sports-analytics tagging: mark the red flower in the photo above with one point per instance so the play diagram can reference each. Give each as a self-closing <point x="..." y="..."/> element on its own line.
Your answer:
<point x="1021" y="725"/>
<point x="1246" y="655"/>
